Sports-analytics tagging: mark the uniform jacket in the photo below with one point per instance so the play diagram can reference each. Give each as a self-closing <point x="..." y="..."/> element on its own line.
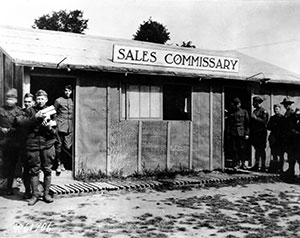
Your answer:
<point x="238" y="123"/>
<point x="259" y="123"/>
<point x="7" y="120"/>
<point x="64" y="110"/>
<point x="39" y="137"/>
<point x="288" y="125"/>
<point x="275" y="125"/>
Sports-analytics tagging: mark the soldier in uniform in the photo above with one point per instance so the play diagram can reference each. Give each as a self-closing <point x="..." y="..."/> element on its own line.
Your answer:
<point x="64" y="108"/>
<point x="28" y="102"/>
<point x="288" y="134"/>
<point x="238" y="132"/>
<point x="258" y="133"/>
<point x="275" y="126"/>
<point x="9" y="136"/>
<point x="40" y="151"/>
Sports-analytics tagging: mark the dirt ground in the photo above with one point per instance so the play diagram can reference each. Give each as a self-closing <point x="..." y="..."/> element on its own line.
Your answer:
<point x="248" y="210"/>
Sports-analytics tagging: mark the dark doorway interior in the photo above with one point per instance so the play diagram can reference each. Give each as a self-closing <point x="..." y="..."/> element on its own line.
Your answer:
<point x="54" y="86"/>
<point x="244" y="94"/>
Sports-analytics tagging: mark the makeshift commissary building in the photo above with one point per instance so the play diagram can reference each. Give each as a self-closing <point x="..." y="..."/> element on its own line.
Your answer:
<point x="140" y="105"/>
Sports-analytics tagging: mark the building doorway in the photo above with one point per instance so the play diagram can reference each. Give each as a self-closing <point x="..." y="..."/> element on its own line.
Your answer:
<point x="54" y="86"/>
<point x="244" y="94"/>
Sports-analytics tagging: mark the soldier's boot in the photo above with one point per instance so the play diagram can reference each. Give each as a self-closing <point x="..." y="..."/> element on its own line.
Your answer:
<point x="34" y="180"/>
<point x="27" y="193"/>
<point x="47" y="184"/>
<point x="280" y="166"/>
<point x="273" y="166"/>
<point x="254" y="168"/>
<point x="9" y="189"/>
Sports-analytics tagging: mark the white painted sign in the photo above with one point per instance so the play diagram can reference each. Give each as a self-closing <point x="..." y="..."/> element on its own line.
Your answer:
<point x="135" y="55"/>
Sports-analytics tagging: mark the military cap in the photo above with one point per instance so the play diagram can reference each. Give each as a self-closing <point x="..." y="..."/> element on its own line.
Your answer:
<point x="257" y="99"/>
<point x="287" y="100"/>
<point x="41" y="93"/>
<point x="236" y="101"/>
<point x="12" y="93"/>
<point x="68" y="87"/>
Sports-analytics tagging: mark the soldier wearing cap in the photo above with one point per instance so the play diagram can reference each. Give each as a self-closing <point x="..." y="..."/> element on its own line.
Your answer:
<point x="64" y="107"/>
<point x="288" y="134"/>
<point x="238" y="132"/>
<point x="258" y="133"/>
<point x="275" y="126"/>
<point x="9" y="136"/>
<point x="40" y="150"/>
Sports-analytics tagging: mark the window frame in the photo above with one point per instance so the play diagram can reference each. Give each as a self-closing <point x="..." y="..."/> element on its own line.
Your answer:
<point x="124" y="101"/>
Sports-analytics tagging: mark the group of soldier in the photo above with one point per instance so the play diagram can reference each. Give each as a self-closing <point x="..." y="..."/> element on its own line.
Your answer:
<point x="36" y="139"/>
<point x="284" y="136"/>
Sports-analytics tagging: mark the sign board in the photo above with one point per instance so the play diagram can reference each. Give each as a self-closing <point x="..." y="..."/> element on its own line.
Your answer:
<point x="178" y="59"/>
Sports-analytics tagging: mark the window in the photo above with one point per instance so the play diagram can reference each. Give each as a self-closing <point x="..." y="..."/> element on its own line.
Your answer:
<point x="166" y="102"/>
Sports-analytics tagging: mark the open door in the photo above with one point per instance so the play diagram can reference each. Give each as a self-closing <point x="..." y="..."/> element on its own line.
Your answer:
<point x="244" y="95"/>
<point x="54" y="86"/>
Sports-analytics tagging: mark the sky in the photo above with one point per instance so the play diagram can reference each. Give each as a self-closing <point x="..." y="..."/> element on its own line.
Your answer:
<point x="266" y="29"/>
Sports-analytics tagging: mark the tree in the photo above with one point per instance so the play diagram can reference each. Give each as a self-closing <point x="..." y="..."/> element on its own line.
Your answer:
<point x="152" y="31"/>
<point x="62" y="20"/>
<point x="187" y="44"/>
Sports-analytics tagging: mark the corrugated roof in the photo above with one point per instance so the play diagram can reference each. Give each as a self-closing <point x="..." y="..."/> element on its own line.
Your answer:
<point x="43" y="48"/>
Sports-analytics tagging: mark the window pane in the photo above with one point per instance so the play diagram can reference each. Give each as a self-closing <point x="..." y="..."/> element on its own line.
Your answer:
<point x="145" y="101"/>
<point x="155" y="102"/>
<point x="133" y="101"/>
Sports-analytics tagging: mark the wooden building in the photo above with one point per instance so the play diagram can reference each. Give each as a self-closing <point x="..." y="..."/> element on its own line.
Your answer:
<point x="140" y="105"/>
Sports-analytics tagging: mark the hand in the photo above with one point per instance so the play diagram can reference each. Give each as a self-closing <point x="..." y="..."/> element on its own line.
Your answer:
<point x="39" y="115"/>
<point x="5" y="130"/>
<point x="253" y="116"/>
<point x="246" y="137"/>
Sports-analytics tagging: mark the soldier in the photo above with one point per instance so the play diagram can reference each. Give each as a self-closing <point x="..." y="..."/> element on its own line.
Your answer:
<point x="28" y="102"/>
<point x="258" y="133"/>
<point x="9" y="137"/>
<point x="287" y="134"/>
<point x="40" y="150"/>
<point x="238" y="131"/>
<point x="64" y="107"/>
<point x="275" y="125"/>
<point x="296" y="141"/>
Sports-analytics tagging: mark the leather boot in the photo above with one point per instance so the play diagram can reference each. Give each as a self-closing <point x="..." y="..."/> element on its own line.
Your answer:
<point x="26" y="181"/>
<point x="254" y="168"/>
<point x="47" y="184"/>
<point x="34" y="180"/>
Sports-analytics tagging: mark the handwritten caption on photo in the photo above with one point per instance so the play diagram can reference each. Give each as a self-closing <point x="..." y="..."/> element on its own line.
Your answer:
<point x="33" y="227"/>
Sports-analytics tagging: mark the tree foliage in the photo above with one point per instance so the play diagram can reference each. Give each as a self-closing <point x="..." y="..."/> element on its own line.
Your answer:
<point x="71" y="21"/>
<point x="187" y="44"/>
<point x="152" y="31"/>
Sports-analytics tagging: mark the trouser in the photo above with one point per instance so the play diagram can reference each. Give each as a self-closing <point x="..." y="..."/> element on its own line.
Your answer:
<point x="238" y="145"/>
<point x="40" y="160"/>
<point x="259" y="142"/>
<point x="66" y="141"/>
<point x="10" y="156"/>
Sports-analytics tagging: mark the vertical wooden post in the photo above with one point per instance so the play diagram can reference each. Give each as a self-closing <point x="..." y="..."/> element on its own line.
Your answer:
<point x="108" y="129"/>
<point x="210" y="128"/>
<point x="168" y="144"/>
<point x="191" y="147"/>
<point x="223" y="129"/>
<point x="139" y="161"/>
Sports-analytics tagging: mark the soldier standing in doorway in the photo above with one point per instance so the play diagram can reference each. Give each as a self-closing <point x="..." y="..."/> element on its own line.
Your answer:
<point x="64" y="107"/>
<point x="238" y="132"/>
<point x="258" y="133"/>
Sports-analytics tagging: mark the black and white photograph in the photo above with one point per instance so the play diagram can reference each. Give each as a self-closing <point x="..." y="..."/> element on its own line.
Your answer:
<point x="150" y="119"/>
